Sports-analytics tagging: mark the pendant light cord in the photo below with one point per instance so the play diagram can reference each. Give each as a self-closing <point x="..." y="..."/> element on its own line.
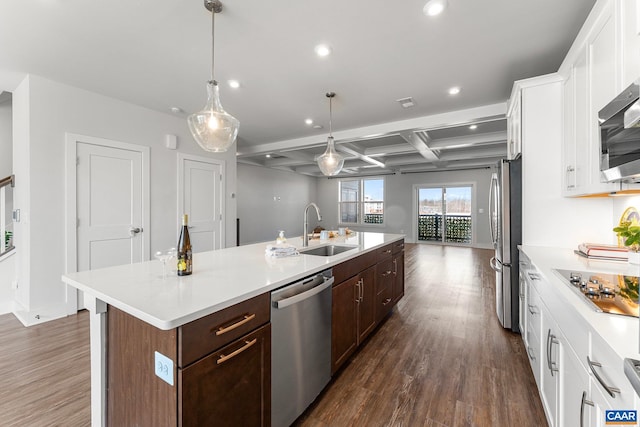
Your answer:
<point x="330" y="116"/>
<point x="213" y="19"/>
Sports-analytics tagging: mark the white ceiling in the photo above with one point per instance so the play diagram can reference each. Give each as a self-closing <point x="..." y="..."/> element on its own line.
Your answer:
<point x="157" y="54"/>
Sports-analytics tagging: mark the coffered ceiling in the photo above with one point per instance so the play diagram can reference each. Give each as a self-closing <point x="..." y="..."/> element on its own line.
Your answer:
<point x="157" y="54"/>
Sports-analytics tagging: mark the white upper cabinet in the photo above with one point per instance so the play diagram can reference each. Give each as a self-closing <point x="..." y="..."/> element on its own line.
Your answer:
<point x="514" y="127"/>
<point x="629" y="13"/>
<point x="604" y="59"/>
<point x="575" y="119"/>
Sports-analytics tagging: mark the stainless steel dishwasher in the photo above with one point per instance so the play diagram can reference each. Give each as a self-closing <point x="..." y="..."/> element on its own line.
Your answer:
<point x="300" y="345"/>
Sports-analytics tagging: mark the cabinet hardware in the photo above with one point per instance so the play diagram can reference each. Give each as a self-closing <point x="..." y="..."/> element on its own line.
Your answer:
<point x="395" y="267"/>
<point x="608" y="388"/>
<point x="582" y="403"/>
<point x="224" y="329"/>
<point x="387" y="301"/>
<point x="246" y="345"/>
<point x="531" y="309"/>
<point x="533" y="276"/>
<point x="570" y="170"/>
<point x="359" y="286"/>
<point x="530" y="352"/>
<point x="551" y="340"/>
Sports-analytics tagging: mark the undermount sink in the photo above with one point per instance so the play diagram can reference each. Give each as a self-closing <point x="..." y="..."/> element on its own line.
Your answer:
<point x="327" y="250"/>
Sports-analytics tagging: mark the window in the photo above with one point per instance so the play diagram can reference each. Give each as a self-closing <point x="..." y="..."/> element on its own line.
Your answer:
<point x="361" y="201"/>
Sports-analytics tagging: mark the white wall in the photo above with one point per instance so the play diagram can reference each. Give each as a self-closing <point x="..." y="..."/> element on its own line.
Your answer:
<point x="43" y="112"/>
<point x="6" y="139"/>
<point x="270" y="200"/>
<point x="7" y="273"/>
<point x="399" y="201"/>
<point x="549" y="219"/>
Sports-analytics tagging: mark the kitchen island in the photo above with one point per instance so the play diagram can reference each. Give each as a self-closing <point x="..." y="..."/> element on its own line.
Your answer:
<point x="221" y="280"/>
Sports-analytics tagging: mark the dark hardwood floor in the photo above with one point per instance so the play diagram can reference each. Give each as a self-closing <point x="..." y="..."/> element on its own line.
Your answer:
<point x="440" y="359"/>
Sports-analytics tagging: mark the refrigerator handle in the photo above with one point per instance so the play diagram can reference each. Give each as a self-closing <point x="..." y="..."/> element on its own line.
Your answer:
<point x="495" y="264"/>
<point x="492" y="212"/>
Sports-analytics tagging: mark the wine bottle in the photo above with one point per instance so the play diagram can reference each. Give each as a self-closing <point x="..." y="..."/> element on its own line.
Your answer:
<point x="185" y="263"/>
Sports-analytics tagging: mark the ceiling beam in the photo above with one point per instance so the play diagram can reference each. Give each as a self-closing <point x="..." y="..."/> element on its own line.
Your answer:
<point x="420" y="144"/>
<point x="469" y="115"/>
<point x="482" y="153"/>
<point x="389" y="149"/>
<point x="468" y="141"/>
<point x="350" y="149"/>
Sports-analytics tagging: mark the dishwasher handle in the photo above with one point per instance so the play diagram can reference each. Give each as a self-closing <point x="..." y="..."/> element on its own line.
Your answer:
<point x="303" y="295"/>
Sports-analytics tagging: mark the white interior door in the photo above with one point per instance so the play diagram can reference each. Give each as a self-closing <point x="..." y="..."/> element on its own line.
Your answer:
<point x="109" y="206"/>
<point x="200" y="195"/>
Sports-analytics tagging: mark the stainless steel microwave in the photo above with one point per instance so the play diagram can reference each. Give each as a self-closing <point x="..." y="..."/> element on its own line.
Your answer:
<point x="620" y="136"/>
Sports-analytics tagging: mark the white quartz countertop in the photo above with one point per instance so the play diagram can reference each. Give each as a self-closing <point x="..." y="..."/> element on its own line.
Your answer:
<point x="220" y="279"/>
<point x="620" y="332"/>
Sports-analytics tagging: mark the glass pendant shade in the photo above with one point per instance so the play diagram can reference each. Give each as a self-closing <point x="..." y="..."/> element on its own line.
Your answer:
<point x="214" y="129"/>
<point x="330" y="162"/>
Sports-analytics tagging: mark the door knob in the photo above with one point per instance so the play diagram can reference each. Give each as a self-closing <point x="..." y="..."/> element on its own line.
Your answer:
<point x="135" y="230"/>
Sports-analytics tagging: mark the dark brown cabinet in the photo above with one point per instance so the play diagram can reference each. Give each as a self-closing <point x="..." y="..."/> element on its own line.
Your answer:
<point x="366" y="304"/>
<point x="232" y="384"/>
<point x="384" y="287"/>
<point x="221" y="369"/>
<point x="398" y="272"/>
<point x="352" y="314"/>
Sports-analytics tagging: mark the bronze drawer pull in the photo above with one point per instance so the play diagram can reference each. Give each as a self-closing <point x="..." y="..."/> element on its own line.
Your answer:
<point x="223" y="330"/>
<point x="387" y="301"/>
<point x="247" y="344"/>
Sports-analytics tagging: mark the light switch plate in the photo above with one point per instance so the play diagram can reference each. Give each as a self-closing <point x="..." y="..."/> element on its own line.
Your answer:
<point x="164" y="367"/>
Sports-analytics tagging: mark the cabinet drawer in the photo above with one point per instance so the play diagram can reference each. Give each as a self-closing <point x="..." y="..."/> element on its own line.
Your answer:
<point x="398" y="246"/>
<point x="345" y="270"/>
<point x="384" y="252"/>
<point x="610" y="373"/>
<point x="533" y="314"/>
<point x="534" y="355"/>
<point x="384" y="288"/>
<point x="231" y="386"/>
<point x="202" y="336"/>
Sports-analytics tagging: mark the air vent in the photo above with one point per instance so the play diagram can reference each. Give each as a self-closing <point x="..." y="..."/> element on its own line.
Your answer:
<point x="406" y="102"/>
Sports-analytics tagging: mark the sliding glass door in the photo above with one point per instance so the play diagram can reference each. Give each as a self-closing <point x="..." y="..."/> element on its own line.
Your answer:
<point x="444" y="214"/>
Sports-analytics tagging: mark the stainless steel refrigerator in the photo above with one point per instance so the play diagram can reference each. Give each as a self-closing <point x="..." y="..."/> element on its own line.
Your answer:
<point x="505" y="222"/>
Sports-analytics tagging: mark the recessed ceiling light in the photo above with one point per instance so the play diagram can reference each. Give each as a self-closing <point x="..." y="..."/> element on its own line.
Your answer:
<point x="454" y="90"/>
<point x="308" y="122"/>
<point x="434" y="7"/>
<point x="268" y="156"/>
<point x="473" y="127"/>
<point x="323" y="50"/>
<point x="234" y="84"/>
<point x="176" y="110"/>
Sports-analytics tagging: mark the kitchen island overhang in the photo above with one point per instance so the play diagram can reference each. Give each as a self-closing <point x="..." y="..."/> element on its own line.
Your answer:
<point x="220" y="280"/>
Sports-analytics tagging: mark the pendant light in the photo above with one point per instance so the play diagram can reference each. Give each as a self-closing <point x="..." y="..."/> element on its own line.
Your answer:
<point x="330" y="162"/>
<point x="214" y="129"/>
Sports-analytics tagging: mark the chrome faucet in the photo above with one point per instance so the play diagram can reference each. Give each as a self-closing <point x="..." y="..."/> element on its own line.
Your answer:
<point x="305" y="223"/>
